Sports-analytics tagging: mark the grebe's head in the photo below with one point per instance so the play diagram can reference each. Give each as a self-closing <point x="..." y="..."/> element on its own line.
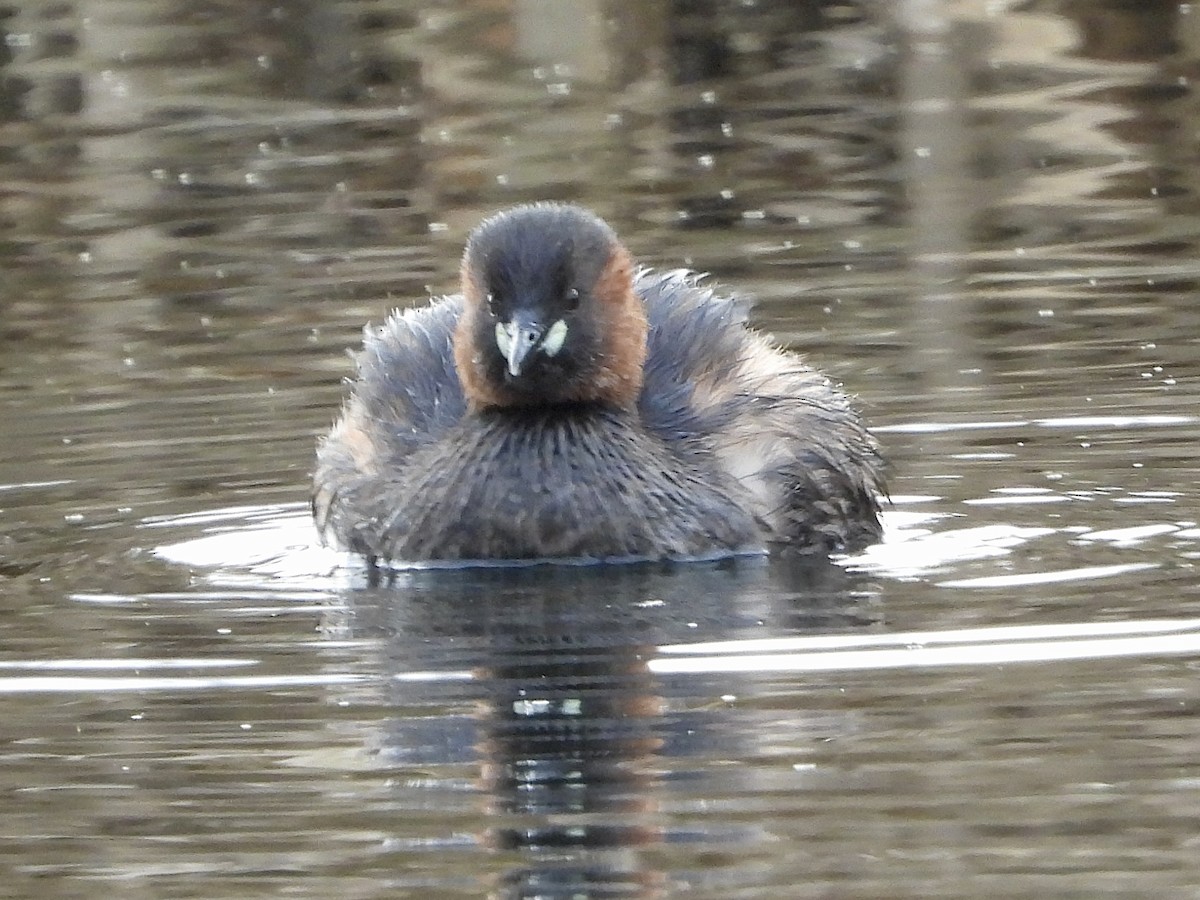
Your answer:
<point x="550" y="315"/>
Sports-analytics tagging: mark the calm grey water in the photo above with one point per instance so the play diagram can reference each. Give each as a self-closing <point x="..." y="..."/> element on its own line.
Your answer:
<point x="982" y="218"/>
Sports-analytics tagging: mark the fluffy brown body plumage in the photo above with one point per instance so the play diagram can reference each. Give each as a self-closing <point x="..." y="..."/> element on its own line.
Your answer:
<point x="565" y="405"/>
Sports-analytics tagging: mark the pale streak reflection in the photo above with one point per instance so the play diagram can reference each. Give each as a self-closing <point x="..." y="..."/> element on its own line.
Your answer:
<point x="929" y="649"/>
<point x="969" y="647"/>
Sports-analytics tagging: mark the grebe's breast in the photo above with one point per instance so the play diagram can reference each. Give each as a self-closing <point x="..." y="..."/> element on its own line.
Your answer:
<point x="559" y="482"/>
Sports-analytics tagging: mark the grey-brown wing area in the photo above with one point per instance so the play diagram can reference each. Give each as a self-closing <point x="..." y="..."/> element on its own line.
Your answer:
<point x="694" y="334"/>
<point x="406" y="396"/>
<point x="407" y="382"/>
<point x="716" y="389"/>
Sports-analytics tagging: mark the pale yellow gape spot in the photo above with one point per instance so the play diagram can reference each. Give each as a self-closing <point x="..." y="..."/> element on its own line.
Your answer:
<point x="508" y="339"/>
<point x="504" y="332"/>
<point x="556" y="334"/>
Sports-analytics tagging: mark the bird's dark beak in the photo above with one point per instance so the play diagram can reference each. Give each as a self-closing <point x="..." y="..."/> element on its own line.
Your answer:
<point x="522" y="333"/>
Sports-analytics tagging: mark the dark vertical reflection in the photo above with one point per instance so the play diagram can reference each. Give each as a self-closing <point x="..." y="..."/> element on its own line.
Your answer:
<point x="567" y="740"/>
<point x="578" y="746"/>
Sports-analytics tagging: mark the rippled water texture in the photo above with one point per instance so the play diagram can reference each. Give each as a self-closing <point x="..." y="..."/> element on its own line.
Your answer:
<point x="982" y="218"/>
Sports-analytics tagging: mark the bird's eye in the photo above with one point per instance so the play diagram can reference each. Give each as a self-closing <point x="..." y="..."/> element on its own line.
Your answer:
<point x="571" y="298"/>
<point x="492" y="304"/>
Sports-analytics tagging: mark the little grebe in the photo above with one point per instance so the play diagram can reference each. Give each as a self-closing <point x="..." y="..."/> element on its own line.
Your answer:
<point x="567" y="405"/>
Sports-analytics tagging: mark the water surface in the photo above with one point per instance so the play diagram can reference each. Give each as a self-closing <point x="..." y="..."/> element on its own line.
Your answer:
<point x="982" y="220"/>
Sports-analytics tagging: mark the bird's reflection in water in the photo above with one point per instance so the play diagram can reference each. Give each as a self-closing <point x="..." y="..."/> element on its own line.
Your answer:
<point x="577" y="743"/>
<point x="565" y="733"/>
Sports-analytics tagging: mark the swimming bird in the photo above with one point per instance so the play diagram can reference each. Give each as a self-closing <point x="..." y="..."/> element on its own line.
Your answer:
<point x="569" y="405"/>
